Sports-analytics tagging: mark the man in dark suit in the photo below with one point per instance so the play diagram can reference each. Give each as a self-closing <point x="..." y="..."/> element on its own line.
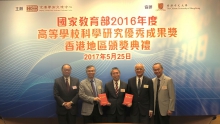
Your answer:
<point x="66" y="90"/>
<point x="143" y="96"/>
<point x="89" y="89"/>
<point x="115" y="92"/>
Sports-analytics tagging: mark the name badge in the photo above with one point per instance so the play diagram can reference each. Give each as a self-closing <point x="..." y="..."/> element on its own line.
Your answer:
<point x="145" y="86"/>
<point x="74" y="87"/>
<point x="99" y="87"/>
<point x="122" y="90"/>
<point x="164" y="87"/>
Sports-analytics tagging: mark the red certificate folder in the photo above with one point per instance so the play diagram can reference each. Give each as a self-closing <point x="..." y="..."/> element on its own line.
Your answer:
<point x="103" y="99"/>
<point x="128" y="98"/>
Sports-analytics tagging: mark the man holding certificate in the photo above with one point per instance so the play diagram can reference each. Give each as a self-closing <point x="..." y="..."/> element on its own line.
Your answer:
<point x="115" y="92"/>
<point x="89" y="90"/>
<point x="143" y="96"/>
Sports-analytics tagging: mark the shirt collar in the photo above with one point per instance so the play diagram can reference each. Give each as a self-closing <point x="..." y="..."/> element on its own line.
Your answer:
<point x="161" y="77"/>
<point x="141" y="78"/>
<point x="117" y="81"/>
<point x="91" y="79"/>
<point x="66" y="77"/>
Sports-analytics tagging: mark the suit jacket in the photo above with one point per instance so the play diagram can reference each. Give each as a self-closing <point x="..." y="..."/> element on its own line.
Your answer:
<point x="115" y="100"/>
<point x="144" y="101"/>
<point x="62" y="95"/>
<point x="166" y="94"/>
<point x="86" y="94"/>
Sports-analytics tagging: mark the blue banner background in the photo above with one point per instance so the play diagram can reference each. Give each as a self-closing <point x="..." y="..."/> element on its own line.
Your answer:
<point x="30" y="65"/>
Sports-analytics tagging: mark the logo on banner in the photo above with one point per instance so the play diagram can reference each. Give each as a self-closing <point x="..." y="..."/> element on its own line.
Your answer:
<point x="32" y="8"/>
<point x="160" y="7"/>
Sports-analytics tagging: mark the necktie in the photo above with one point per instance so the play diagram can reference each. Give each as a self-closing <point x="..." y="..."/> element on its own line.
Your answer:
<point x="116" y="87"/>
<point x="139" y="85"/>
<point x="158" y="86"/>
<point x="67" y="85"/>
<point x="93" y="88"/>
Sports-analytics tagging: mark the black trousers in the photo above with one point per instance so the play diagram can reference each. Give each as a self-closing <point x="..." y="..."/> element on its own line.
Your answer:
<point x="67" y="119"/>
<point x="116" y="117"/>
<point x="158" y="118"/>
<point x="95" y="117"/>
<point x="138" y="118"/>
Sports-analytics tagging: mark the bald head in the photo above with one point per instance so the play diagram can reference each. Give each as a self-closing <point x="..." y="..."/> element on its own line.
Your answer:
<point x="139" y="69"/>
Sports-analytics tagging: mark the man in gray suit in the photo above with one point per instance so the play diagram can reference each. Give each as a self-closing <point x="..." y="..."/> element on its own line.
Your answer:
<point x="164" y="95"/>
<point x="66" y="90"/>
<point x="115" y="92"/>
<point x="89" y="89"/>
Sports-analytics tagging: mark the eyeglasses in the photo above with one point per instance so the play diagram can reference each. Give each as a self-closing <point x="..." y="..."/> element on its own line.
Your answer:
<point x="139" y="69"/>
<point x="90" y="70"/>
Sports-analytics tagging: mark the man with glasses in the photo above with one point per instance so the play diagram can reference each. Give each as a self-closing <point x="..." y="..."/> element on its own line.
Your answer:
<point x="164" y="95"/>
<point x="89" y="89"/>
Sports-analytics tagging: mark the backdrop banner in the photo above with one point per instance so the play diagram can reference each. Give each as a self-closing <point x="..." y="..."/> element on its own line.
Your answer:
<point x="38" y="36"/>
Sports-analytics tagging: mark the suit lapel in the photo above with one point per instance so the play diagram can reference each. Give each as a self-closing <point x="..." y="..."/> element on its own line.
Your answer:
<point x="113" y="88"/>
<point x="135" y="84"/>
<point x="71" y="82"/>
<point x="162" y="81"/>
<point x="155" y="84"/>
<point x="119" y="89"/>
<point x="97" y="86"/>
<point x="142" y="83"/>
<point x="88" y="83"/>
<point x="63" y="84"/>
<point x="122" y="86"/>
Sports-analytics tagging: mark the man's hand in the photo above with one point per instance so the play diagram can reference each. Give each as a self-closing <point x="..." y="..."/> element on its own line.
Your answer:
<point x="150" y="114"/>
<point x="97" y="99"/>
<point x="67" y="105"/>
<point x="169" y="112"/>
<point x="128" y="105"/>
<point x="108" y="104"/>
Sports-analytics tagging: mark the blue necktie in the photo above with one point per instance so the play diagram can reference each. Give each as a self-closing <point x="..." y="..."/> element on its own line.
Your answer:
<point x="93" y="88"/>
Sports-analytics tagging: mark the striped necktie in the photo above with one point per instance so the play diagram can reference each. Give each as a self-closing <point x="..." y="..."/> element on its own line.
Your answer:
<point x="116" y="87"/>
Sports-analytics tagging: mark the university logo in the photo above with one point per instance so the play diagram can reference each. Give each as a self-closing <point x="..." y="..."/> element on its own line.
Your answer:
<point x="160" y="7"/>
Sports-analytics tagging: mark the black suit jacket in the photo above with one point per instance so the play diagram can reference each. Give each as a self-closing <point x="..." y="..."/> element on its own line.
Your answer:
<point x="62" y="95"/>
<point x="144" y="101"/>
<point x="116" y="101"/>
